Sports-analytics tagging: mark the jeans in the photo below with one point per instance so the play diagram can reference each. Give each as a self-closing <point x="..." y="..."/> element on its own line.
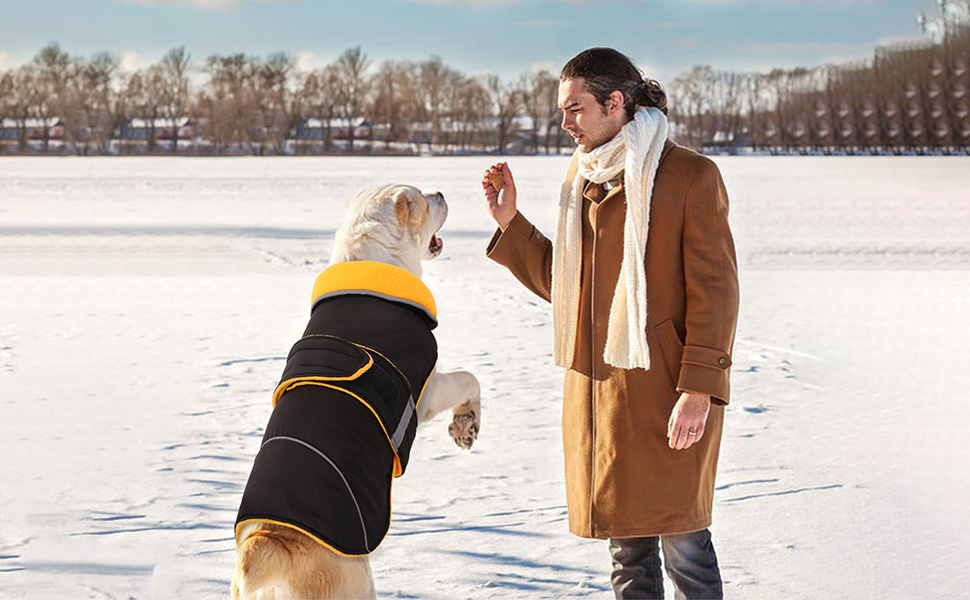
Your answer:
<point x="688" y="558"/>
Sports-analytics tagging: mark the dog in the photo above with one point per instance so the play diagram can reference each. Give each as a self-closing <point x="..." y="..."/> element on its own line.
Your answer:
<point x="392" y="229"/>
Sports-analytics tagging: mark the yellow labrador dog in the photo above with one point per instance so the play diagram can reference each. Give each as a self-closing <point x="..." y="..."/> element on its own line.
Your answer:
<point x="396" y="225"/>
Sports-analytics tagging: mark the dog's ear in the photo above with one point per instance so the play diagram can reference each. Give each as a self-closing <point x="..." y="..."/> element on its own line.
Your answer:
<point x="404" y="208"/>
<point x="411" y="208"/>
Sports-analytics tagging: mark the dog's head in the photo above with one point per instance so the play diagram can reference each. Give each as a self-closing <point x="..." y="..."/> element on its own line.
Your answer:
<point x="422" y="216"/>
<point x="399" y="219"/>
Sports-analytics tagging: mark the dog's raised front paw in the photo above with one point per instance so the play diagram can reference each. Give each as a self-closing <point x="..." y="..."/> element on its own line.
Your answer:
<point x="464" y="429"/>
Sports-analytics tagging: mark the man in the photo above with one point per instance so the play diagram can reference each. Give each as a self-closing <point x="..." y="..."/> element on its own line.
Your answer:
<point x="643" y="284"/>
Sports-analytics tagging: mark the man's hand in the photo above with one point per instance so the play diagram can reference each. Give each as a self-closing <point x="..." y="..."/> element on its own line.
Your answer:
<point x="501" y="203"/>
<point x="689" y="414"/>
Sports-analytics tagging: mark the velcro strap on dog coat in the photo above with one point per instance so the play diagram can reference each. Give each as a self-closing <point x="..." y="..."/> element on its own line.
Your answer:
<point x="362" y="373"/>
<point x="322" y="358"/>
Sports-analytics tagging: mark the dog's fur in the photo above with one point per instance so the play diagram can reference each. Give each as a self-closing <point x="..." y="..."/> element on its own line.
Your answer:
<point x="395" y="224"/>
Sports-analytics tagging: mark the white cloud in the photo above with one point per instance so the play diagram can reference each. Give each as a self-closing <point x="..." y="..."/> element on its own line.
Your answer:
<point x="308" y="61"/>
<point x="128" y="61"/>
<point x="9" y="62"/>
<point x="471" y="3"/>
<point x="220" y="5"/>
<point x="648" y="69"/>
<point x="689" y="41"/>
<point x="304" y="60"/>
<point x="901" y="39"/>
<point x="500" y="3"/>
<point x="803" y="46"/>
<point x="756" y="2"/>
<point x="653" y="72"/>
<point x="495" y="3"/>
<point x="545" y="65"/>
<point x="677" y="24"/>
<point x="541" y="23"/>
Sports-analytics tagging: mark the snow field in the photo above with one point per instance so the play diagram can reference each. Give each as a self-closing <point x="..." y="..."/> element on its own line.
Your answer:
<point x="146" y="307"/>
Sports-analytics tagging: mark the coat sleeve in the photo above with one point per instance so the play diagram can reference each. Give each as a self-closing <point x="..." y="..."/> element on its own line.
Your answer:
<point x="711" y="277"/>
<point x="524" y="251"/>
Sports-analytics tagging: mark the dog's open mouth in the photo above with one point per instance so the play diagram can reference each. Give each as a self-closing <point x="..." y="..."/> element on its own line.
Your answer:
<point x="435" y="245"/>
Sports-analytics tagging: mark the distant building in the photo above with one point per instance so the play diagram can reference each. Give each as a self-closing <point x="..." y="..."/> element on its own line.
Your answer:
<point x="159" y="129"/>
<point x="32" y="131"/>
<point x="135" y="133"/>
<point x="316" y="129"/>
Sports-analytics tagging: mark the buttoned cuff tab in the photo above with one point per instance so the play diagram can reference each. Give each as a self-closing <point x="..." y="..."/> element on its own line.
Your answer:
<point x="705" y="370"/>
<point x="706" y="357"/>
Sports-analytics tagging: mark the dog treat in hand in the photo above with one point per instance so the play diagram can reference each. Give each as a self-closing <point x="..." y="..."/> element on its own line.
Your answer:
<point x="497" y="180"/>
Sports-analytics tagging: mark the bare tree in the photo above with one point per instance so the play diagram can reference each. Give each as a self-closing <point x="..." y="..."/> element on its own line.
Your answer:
<point x="690" y="105"/>
<point x="392" y="106"/>
<point x="53" y="69"/>
<point x="535" y="91"/>
<point x="412" y="103"/>
<point x="222" y="102"/>
<point x="469" y="106"/>
<point x="101" y="73"/>
<point x="353" y="86"/>
<point x="175" y="73"/>
<point x="435" y="79"/>
<point x="954" y="14"/>
<point x="301" y="106"/>
<point x="87" y="106"/>
<point x="553" y="115"/>
<point x="20" y="92"/>
<point x="504" y="101"/>
<point x="268" y="96"/>
<point x="145" y="99"/>
<point x="318" y="97"/>
<point x="8" y="103"/>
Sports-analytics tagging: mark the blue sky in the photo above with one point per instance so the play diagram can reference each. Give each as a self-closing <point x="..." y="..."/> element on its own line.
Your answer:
<point x="506" y="37"/>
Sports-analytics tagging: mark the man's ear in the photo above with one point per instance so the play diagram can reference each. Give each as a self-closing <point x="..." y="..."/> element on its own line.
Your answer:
<point x="615" y="102"/>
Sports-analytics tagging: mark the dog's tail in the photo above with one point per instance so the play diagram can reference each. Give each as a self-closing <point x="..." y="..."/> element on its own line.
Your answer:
<point x="262" y="562"/>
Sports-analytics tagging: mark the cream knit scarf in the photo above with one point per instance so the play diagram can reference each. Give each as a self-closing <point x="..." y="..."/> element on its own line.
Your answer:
<point x="636" y="152"/>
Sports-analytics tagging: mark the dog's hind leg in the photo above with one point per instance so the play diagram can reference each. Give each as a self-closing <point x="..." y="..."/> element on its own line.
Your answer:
<point x="461" y="392"/>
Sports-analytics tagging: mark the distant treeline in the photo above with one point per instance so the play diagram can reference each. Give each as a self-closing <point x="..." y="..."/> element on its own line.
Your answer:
<point x="913" y="96"/>
<point x="907" y="98"/>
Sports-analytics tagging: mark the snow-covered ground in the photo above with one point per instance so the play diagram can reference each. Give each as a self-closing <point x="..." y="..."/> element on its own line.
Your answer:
<point x="146" y="307"/>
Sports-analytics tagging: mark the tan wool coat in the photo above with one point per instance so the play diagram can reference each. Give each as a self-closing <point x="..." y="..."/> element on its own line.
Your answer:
<point x="622" y="479"/>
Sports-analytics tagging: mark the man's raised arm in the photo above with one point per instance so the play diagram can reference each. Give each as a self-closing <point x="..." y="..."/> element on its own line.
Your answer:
<point x="517" y="244"/>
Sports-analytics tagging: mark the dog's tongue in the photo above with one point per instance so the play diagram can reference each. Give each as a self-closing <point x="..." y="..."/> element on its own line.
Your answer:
<point x="437" y="241"/>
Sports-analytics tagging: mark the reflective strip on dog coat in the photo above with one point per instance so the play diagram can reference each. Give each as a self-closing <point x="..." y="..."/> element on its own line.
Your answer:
<point x="345" y="411"/>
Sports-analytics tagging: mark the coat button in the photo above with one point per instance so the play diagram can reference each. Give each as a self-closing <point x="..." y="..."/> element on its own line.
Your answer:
<point x="721" y="360"/>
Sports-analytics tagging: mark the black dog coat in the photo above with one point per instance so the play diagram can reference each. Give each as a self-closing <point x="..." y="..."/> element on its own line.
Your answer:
<point x="344" y="414"/>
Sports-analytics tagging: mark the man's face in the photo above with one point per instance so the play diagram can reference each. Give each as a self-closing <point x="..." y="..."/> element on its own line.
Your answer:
<point x="590" y="123"/>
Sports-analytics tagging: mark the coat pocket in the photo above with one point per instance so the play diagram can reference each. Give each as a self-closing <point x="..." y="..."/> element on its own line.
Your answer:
<point x="671" y="346"/>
